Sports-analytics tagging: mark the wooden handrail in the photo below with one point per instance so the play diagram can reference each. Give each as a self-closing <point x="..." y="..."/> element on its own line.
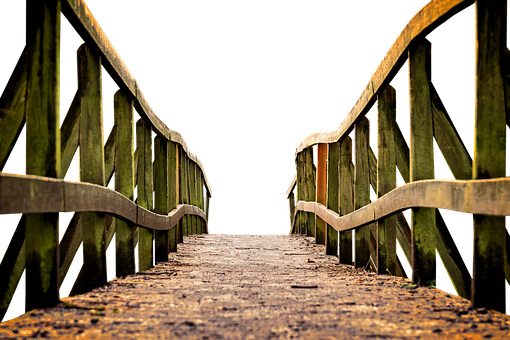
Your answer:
<point x="480" y="188"/>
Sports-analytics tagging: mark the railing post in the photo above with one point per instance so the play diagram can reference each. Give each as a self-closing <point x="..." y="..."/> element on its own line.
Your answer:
<point x="144" y="191"/>
<point x="173" y="191"/>
<point x="183" y="178"/>
<point x="333" y="187"/>
<point x="124" y="182"/>
<point x="489" y="257"/>
<point x="91" y="165"/>
<point x="43" y="148"/>
<point x="322" y="190"/>
<point x="201" y="196"/>
<point x="292" y="210"/>
<point x="423" y="220"/>
<point x="346" y="200"/>
<point x="386" y="180"/>
<point x="310" y="189"/>
<point x="301" y="222"/>
<point x="191" y="180"/>
<point x="362" y="190"/>
<point x="161" y="193"/>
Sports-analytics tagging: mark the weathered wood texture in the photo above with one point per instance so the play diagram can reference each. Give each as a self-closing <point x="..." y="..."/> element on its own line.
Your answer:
<point x="184" y="196"/>
<point x="488" y="287"/>
<point x="173" y="191"/>
<point x="310" y="187"/>
<point x="346" y="203"/>
<point x="386" y="180"/>
<point x="333" y="187"/>
<point x="161" y="190"/>
<point x="301" y="182"/>
<point x="422" y="162"/>
<point x="43" y="147"/>
<point x="322" y="191"/>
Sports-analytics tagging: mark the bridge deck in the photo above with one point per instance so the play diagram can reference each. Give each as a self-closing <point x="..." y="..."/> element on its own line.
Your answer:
<point x="260" y="287"/>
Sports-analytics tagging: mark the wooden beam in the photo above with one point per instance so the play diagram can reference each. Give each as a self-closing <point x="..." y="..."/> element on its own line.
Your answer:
<point x="488" y="289"/>
<point x="161" y="195"/>
<point x="301" y="184"/>
<point x="144" y="191"/>
<point x="173" y="190"/>
<point x="124" y="181"/>
<point x="448" y="139"/>
<point x="386" y="180"/>
<point x="43" y="147"/>
<point x="92" y="164"/>
<point x="322" y="191"/>
<point x="12" y="108"/>
<point x="310" y="187"/>
<point x="346" y="199"/>
<point x="422" y="163"/>
<point x="362" y="190"/>
<point x="333" y="187"/>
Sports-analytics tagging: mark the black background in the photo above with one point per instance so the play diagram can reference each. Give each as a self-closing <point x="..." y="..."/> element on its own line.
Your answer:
<point x="243" y="83"/>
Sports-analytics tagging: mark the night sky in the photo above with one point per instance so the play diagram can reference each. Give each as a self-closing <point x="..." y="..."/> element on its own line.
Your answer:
<point x="243" y="83"/>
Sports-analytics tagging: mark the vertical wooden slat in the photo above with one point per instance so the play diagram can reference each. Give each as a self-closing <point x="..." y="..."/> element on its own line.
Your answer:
<point x="173" y="191"/>
<point x="43" y="147"/>
<point x="144" y="191"/>
<point x="333" y="199"/>
<point x="386" y="180"/>
<point x="124" y="182"/>
<point x="292" y="211"/>
<point x="192" y="191"/>
<point x="161" y="192"/>
<point x="346" y="199"/>
<point x="488" y="288"/>
<point x="183" y="177"/>
<point x="423" y="220"/>
<point x="201" y="196"/>
<point x="362" y="190"/>
<point x="322" y="190"/>
<point x="92" y="164"/>
<point x="301" y="183"/>
<point x="310" y="190"/>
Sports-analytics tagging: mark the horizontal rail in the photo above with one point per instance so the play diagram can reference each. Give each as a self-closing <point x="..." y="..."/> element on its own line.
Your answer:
<point x="34" y="194"/>
<point x="425" y="21"/>
<point x="80" y="17"/>
<point x="483" y="197"/>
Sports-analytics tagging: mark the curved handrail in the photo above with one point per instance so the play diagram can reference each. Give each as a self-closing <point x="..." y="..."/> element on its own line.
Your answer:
<point x="35" y="194"/>
<point x="483" y="197"/>
<point x="79" y="15"/>
<point x="425" y="21"/>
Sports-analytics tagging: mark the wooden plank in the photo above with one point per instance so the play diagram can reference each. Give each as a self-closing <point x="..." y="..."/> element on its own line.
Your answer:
<point x="70" y="134"/>
<point x="448" y="139"/>
<point x="144" y="191"/>
<point x="43" y="147"/>
<point x="488" y="289"/>
<point x="69" y="244"/>
<point x="310" y="187"/>
<point x="201" y="199"/>
<point x="183" y="177"/>
<point x="192" y="193"/>
<point x="161" y="195"/>
<point x="362" y="191"/>
<point x="422" y="163"/>
<point x="292" y="210"/>
<point x="173" y="190"/>
<point x="386" y="180"/>
<point x="301" y="183"/>
<point x="12" y="108"/>
<point x="92" y="164"/>
<point x="109" y="156"/>
<point x="333" y="187"/>
<point x="292" y="186"/>
<point x="124" y="180"/>
<point x="322" y="191"/>
<point x="346" y="199"/>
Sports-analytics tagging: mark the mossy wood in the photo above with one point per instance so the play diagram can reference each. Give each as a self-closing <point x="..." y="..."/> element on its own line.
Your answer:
<point x="161" y="190"/>
<point x="310" y="188"/>
<point x="333" y="187"/>
<point x="173" y="191"/>
<point x="322" y="191"/>
<point x="346" y="203"/>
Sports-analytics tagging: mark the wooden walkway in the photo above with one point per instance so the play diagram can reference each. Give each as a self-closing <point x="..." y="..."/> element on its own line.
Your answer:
<point x="259" y="287"/>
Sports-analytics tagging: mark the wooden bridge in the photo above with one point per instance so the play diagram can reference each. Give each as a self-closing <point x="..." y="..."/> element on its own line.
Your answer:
<point x="247" y="285"/>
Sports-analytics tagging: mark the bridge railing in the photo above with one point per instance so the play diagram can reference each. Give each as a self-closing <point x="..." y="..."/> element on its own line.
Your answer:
<point x="173" y="193"/>
<point x="335" y="195"/>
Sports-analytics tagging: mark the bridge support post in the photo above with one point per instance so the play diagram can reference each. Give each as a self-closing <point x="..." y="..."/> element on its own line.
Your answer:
<point x="173" y="192"/>
<point x="161" y="193"/>
<point x="43" y="148"/>
<point x="488" y="285"/>
<point x="386" y="181"/>
<point x="346" y="200"/>
<point x="322" y="191"/>
<point x="124" y="182"/>
<point x="91" y="165"/>
<point x="423" y="220"/>
<point x="183" y="187"/>
<point x="362" y="190"/>
<point x="310" y="173"/>
<point x="333" y="186"/>
<point x="301" y="183"/>
<point x="144" y="191"/>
